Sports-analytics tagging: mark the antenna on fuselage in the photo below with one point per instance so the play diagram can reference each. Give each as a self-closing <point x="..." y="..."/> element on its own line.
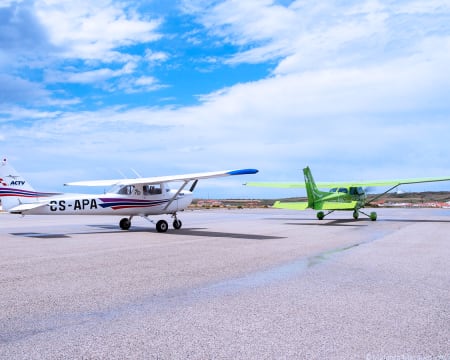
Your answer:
<point x="136" y="173"/>
<point x="121" y="173"/>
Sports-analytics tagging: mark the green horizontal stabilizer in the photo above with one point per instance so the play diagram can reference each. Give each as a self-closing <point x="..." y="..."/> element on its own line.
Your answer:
<point x="336" y="205"/>
<point x="291" y="205"/>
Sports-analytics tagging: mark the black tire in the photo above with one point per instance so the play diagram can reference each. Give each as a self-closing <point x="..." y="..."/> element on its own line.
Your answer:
<point x="125" y="224"/>
<point x="177" y="224"/>
<point x="162" y="226"/>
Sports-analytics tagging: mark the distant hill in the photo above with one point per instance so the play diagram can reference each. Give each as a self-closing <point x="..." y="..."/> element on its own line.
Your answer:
<point x="416" y="197"/>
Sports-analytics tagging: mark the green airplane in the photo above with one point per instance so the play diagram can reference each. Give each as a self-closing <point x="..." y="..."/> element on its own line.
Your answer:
<point x="346" y="196"/>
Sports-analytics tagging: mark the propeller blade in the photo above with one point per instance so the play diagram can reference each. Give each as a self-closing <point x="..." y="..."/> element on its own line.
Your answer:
<point x="370" y="189"/>
<point x="194" y="184"/>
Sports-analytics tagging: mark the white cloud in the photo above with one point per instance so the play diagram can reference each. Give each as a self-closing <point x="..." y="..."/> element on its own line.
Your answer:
<point x="16" y="113"/>
<point x="67" y="41"/>
<point x="94" y="30"/>
<point x="311" y="35"/>
<point x="89" y="77"/>
<point x="138" y="84"/>
<point x="15" y="89"/>
<point x="155" y="57"/>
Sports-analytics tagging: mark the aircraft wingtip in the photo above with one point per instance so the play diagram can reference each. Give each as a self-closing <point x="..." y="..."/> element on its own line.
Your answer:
<point x="243" y="172"/>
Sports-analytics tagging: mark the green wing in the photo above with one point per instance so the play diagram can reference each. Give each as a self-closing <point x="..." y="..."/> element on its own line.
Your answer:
<point x="294" y="185"/>
<point x="329" y="185"/>
<point x="397" y="182"/>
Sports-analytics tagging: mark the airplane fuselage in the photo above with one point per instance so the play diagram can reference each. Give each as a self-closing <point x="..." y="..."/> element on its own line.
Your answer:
<point x="351" y="193"/>
<point x="112" y="204"/>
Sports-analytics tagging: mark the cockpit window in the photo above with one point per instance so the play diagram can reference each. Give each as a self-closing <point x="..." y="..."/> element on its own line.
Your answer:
<point x="333" y="190"/>
<point x="343" y="190"/>
<point x="126" y="190"/>
<point x="356" y="191"/>
<point x="154" y="189"/>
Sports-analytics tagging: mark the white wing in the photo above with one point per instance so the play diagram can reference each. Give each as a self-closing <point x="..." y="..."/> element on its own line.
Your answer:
<point x="163" y="179"/>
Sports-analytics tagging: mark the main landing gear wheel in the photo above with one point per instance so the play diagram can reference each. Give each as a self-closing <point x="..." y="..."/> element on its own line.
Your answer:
<point x="177" y="224"/>
<point x="162" y="226"/>
<point x="125" y="224"/>
<point x="320" y="215"/>
<point x="355" y="215"/>
<point x="373" y="216"/>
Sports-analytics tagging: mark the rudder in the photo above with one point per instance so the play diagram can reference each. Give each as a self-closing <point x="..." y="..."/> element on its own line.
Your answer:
<point x="14" y="189"/>
<point x="312" y="191"/>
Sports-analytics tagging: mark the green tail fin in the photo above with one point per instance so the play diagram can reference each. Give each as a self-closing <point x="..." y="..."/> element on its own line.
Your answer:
<point x="312" y="190"/>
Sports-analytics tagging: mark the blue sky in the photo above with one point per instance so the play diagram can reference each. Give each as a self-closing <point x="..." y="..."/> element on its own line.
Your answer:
<point x="354" y="89"/>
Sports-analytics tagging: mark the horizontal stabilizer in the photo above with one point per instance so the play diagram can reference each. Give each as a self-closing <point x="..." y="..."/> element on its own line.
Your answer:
<point x="23" y="208"/>
<point x="336" y="205"/>
<point x="291" y="205"/>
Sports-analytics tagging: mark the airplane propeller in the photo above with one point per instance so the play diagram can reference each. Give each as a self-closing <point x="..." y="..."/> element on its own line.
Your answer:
<point x="370" y="189"/>
<point x="194" y="184"/>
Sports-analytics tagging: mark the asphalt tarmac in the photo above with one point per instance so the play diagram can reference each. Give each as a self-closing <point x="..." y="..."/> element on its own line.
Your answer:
<point x="231" y="284"/>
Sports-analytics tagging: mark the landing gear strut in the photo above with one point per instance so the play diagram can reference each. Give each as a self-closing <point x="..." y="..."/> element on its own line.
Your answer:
<point x="372" y="216"/>
<point x="321" y="215"/>
<point x="162" y="225"/>
<point x="176" y="222"/>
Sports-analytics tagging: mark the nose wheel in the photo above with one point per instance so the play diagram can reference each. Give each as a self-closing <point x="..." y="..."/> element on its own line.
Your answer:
<point x="372" y="216"/>
<point x="177" y="224"/>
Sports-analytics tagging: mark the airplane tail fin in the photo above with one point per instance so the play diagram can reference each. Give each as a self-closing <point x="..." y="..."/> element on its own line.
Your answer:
<point x="14" y="189"/>
<point x="312" y="190"/>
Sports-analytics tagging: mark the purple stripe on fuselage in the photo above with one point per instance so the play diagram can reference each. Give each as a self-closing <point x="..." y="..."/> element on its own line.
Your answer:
<point x="23" y="193"/>
<point x="118" y="202"/>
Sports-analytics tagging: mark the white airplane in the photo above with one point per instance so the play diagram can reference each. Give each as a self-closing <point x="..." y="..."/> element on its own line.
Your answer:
<point x="127" y="197"/>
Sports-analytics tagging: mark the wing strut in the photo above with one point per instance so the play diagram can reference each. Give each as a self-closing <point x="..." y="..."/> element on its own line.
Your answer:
<point x="382" y="194"/>
<point x="176" y="194"/>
